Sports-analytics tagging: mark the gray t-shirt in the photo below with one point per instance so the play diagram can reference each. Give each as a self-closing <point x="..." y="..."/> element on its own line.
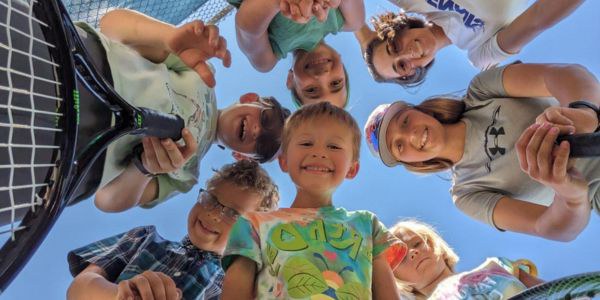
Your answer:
<point x="489" y="168"/>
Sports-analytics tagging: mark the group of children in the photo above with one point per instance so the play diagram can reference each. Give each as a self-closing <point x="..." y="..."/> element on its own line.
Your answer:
<point x="240" y="246"/>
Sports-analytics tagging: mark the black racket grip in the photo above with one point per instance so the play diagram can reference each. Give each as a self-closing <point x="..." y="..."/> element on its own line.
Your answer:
<point x="582" y="145"/>
<point x="160" y="125"/>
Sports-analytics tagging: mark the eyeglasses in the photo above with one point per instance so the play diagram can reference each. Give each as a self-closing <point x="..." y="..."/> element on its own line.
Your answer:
<point x="272" y="118"/>
<point x="211" y="202"/>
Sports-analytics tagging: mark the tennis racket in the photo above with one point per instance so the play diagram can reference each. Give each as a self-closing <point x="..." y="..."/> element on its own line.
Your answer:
<point x="580" y="286"/>
<point x="583" y="145"/>
<point x="41" y="162"/>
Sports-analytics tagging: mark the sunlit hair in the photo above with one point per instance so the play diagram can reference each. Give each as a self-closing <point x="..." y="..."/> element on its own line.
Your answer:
<point x="249" y="176"/>
<point x="433" y="239"/>
<point x="309" y="113"/>
<point x="446" y="111"/>
<point x="387" y="26"/>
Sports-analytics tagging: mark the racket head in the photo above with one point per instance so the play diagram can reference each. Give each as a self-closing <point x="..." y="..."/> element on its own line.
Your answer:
<point x="577" y="286"/>
<point x="39" y="110"/>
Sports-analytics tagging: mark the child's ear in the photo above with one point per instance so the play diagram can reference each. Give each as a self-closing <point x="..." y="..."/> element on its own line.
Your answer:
<point x="290" y="80"/>
<point x="240" y="156"/>
<point x="353" y="170"/>
<point x="249" y="98"/>
<point x="282" y="163"/>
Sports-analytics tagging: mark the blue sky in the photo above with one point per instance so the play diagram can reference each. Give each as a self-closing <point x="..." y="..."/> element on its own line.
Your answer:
<point x="391" y="193"/>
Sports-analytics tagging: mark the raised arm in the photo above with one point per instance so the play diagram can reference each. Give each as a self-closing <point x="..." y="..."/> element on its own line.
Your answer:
<point x="540" y="16"/>
<point x="194" y="43"/>
<point x="251" y="22"/>
<point x="565" y="82"/>
<point x="131" y="187"/>
<point x="383" y="284"/>
<point x="354" y="14"/>
<point x="238" y="283"/>
<point x="146" y="35"/>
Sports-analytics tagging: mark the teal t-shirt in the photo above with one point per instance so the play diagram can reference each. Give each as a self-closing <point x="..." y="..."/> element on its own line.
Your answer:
<point x="304" y="253"/>
<point x="286" y="35"/>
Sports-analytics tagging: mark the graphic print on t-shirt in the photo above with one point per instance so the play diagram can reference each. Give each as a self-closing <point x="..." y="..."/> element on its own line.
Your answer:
<point x="330" y="268"/>
<point x="470" y="20"/>
<point x="493" y="133"/>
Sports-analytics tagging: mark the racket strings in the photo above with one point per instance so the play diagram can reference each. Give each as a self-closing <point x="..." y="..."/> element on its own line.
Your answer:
<point x="29" y="112"/>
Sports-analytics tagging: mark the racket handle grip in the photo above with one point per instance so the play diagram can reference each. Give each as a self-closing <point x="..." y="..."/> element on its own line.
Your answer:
<point x="160" y="125"/>
<point x="582" y="145"/>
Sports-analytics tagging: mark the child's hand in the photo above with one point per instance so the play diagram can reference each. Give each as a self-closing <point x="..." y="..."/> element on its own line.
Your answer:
<point x="548" y="164"/>
<point x="148" y="285"/>
<point x="164" y="156"/>
<point x="299" y="11"/>
<point x="195" y="43"/>
<point x="321" y="8"/>
<point x="569" y="120"/>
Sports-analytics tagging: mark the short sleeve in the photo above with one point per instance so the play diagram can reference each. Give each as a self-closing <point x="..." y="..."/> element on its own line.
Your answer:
<point x="111" y="254"/>
<point x="485" y="86"/>
<point x="243" y="241"/>
<point x="169" y="186"/>
<point x="384" y="242"/>
<point x="489" y="54"/>
<point x="477" y="204"/>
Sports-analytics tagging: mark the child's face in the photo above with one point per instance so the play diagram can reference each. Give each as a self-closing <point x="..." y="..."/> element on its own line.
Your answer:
<point x="208" y="222"/>
<point x="240" y="125"/>
<point x="319" y="156"/>
<point x="411" y="49"/>
<point x="318" y="76"/>
<point x="421" y="266"/>
<point x="414" y="136"/>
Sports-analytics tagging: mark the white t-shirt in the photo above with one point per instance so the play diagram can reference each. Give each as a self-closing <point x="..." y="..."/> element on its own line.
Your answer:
<point x="471" y="25"/>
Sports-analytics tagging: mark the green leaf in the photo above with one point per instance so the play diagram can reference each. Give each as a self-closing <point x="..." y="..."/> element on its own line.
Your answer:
<point x="352" y="291"/>
<point x="303" y="278"/>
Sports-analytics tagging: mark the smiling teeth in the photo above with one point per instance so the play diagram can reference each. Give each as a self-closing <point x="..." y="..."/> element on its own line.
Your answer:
<point x="424" y="138"/>
<point x="244" y="127"/>
<point x="319" y="169"/>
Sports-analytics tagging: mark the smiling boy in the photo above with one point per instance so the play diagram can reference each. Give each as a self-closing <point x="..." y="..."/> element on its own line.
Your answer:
<point x="313" y="249"/>
<point x="159" y="66"/>
<point x="141" y="263"/>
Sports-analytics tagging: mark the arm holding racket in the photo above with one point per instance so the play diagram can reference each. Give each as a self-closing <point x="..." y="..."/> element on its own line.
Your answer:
<point x="193" y="42"/>
<point x="131" y="187"/>
<point x="91" y="284"/>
